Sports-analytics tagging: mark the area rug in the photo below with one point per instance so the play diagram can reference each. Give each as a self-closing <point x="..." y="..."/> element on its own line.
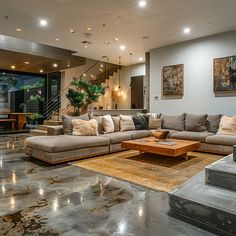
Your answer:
<point x="156" y="172"/>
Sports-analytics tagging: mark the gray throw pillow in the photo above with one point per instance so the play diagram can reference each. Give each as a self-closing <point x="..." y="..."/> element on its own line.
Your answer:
<point x="67" y="122"/>
<point x="212" y="123"/>
<point x="195" y="123"/>
<point x="173" y="122"/>
<point x="116" y="121"/>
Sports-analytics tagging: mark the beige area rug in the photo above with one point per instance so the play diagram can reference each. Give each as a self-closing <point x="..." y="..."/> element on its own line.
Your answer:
<point x="149" y="170"/>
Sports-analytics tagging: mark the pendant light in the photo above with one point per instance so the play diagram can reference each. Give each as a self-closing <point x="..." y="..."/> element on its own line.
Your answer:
<point x="130" y="61"/>
<point x="107" y="74"/>
<point x="119" y="71"/>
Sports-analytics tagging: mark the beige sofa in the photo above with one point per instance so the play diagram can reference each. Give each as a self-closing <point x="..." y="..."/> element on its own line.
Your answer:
<point x="63" y="147"/>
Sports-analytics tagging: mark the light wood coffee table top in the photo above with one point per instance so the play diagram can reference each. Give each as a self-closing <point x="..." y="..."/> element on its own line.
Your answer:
<point x="181" y="148"/>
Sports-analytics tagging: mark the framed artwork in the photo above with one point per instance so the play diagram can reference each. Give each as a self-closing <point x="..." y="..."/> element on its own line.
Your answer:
<point x="173" y="80"/>
<point x="225" y="74"/>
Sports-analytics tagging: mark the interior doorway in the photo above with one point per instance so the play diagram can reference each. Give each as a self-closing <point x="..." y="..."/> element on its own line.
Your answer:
<point x="137" y="99"/>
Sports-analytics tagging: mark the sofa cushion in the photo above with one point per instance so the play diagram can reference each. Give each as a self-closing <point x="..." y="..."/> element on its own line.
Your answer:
<point x="136" y="134"/>
<point x="227" y="140"/>
<point x="117" y="137"/>
<point x="190" y="135"/>
<point x="99" y="120"/>
<point x="126" y="123"/>
<point x="85" y="127"/>
<point x="173" y="122"/>
<point x="212" y="123"/>
<point x="196" y="123"/>
<point x="67" y="122"/>
<point x="62" y="143"/>
<point x="140" y="122"/>
<point x="154" y="123"/>
<point x="227" y="125"/>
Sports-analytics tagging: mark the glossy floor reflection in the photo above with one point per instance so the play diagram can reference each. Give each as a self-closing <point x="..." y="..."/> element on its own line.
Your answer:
<point x="38" y="199"/>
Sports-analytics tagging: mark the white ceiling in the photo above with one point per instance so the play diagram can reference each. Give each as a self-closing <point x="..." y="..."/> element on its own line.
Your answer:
<point x="161" y="20"/>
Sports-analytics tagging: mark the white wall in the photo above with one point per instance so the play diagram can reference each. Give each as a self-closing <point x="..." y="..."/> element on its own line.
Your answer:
<point x="197" y="57"/>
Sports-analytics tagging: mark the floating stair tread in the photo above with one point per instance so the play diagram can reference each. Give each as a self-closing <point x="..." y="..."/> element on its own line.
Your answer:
<point x="227" y="165"/>
<point x="196" y="190"/>
<point x="38" y="132"/>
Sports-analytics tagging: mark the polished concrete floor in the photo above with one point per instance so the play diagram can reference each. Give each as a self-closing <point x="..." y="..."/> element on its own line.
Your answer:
<point x="39" y="199"/>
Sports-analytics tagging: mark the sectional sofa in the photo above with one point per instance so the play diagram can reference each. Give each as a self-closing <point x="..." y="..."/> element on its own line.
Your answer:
<point x="61" y="146"/>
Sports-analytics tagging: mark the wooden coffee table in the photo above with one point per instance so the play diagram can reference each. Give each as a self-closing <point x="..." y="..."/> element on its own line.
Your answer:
<point x="181" y="148"/>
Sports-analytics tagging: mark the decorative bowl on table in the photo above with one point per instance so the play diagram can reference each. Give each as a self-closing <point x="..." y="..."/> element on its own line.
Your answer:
<point x="160" y="135"/>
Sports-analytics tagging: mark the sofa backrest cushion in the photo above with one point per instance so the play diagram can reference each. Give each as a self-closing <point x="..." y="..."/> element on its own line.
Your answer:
<point x="173" y="122"/>
<point x="212" y="123"/>
<point x="155" y="123"/>
<point x="67" y="122"/>
<point x="84" y="127"/>
<point x="227" y="125"/>
<point x="126" y="123"/>
<point x="140" y="122"/>
<point x="116" y="121"/>
<point x="196" y="123"/>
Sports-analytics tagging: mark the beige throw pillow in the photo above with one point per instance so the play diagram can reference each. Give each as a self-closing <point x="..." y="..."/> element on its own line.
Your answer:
<point x="85" y="128"/>
<point x="116" y="121"/>
<point x="227" y="125"/>
<point x="154" y="123"/>
<point x="108" y="124"/>
<point x="126" y="123"/>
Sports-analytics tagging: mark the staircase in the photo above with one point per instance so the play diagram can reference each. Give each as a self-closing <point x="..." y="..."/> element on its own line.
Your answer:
<point x="208" y="200"/>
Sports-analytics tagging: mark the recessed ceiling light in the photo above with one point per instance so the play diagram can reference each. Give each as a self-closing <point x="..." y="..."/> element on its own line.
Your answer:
<point x="122" y="47"/>
<point x="116" y="39"/>
<point x="43" y="22"/>
<point x="187" y="30"/>
<point x="86" y="46"/>
<point x="142" y="3"/>
<point x="27" y="62"/>
<point x="18" y="29"/>
<point x="72" y="31"/>
<point x="141" y="59"/>
<point x="56" y="39"/>
<point x="41" y="71"/>
<point x="55" y="65"/>
<point x="13" y="67"/>
<point x="89" y="28"/>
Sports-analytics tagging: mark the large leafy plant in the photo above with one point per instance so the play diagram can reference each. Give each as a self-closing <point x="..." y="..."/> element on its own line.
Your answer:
<point x="82" y="94"/>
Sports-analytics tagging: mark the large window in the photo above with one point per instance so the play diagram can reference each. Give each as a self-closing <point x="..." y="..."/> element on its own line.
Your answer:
<point x="22" y="93"/>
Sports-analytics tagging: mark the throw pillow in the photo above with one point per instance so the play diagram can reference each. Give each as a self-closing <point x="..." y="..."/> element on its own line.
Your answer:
<point x="227" y="125"/>
<point x="140" y="122"/>
<point x="196" y="123"/>
<point x="116" y="121"/>
<point x="212" y="123"/>
<point x="67" y="122"/>
<point x="173" y="122"/>
<point x="154" y="123"/>
<point x="85" y="128"/>
<point x="107" y="124"/>
<point x="126" y="123"/>
<point x="99" y="120"/>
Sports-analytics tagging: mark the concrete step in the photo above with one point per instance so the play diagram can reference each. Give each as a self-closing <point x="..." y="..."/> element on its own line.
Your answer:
<point x="222" y="173"/>
<point x="38" y="132"/>
<point x="206" y="206"/>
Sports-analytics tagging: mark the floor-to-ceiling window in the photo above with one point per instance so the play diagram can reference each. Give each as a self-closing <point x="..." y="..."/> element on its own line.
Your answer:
<point x="21" y="100"/>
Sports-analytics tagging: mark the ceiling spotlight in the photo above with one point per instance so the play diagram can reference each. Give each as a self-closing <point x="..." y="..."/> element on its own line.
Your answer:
<point x="72" y="31"/>
<point x="107" y="42"/>
<point x="55" y="65"/>
<point x="142" y="3"/>
<point x="41" y="71"/>
<point x="13" y="67"/>
<point x="18" y="29"/>
<point x="89" y="28"/>
<point x="56" y="39"/>
<point x="116" y="39"/>
<point x="140" y="59"/>
<point x="27" y="62"/>
<point x="122" y="47"/>
<point x="86" y="46"/>
<point x="43" y="22"/>
<point x="187" y="30"/>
